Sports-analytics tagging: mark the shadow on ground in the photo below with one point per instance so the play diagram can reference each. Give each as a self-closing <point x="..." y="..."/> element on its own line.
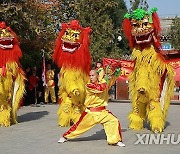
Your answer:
<point x="147" y="125"/>
<point x="32" y="116"/>
<point x="99" y="135"/>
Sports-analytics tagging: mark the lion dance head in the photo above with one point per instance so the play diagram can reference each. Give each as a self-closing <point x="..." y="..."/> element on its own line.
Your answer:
<point x="9" y="46"/>
<point x="72" y="46"/>
<point x="142" y="28"/>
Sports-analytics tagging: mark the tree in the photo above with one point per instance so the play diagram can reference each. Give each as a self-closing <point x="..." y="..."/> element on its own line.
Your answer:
<point x="105" y="18"/>
<point x="117" y="16"/>
<point x="37" y="24"/>
<point x="175" y="31"/>
<point x="135" y="4"/>
<point x="34" y="24"/>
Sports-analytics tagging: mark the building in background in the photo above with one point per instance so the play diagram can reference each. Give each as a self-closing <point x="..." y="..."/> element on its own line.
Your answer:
<point x="170" y="52"/>
<point x="167" y="48"/>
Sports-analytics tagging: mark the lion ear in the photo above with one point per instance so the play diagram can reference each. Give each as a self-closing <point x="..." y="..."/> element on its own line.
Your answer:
<point x="88" y="30"/>
<point x="127" y="31"/>
<point x="2" y="24"/>
<point x="156" y="23"/>
<point x="64" y="25"/>
<point x="8" y="28"/>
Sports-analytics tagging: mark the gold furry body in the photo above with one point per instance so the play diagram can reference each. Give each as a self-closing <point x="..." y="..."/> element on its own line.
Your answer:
<point x="149" y="100"/>
<point x="72" y="95"/>
<point x="11" y="93"/>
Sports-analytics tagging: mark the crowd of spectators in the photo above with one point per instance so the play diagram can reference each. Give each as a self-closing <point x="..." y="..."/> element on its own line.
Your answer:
<point x="36" y="90"/>
<point x="34" y="86"/>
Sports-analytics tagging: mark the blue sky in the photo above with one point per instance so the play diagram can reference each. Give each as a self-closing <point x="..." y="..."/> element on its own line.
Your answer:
<point x="166" y="8"/>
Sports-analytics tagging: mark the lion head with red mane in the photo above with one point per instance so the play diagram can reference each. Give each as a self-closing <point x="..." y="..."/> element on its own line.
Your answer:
<point x="9" y="46"/>
<point x="72" y="46"/>
<point x="142" y="28"/>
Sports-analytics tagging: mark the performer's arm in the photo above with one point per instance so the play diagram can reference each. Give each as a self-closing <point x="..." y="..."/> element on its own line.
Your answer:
<point x="112" y="78"/>
<point x="101" y="74"/>
<point x="97" y="88"/>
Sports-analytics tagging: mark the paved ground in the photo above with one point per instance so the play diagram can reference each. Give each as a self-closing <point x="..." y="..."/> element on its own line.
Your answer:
<point x="38" y="133"/>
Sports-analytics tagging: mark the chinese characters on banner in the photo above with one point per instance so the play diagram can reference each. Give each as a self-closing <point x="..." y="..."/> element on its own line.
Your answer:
<point x="176" y="65"/>
<point x="128" y="65"/>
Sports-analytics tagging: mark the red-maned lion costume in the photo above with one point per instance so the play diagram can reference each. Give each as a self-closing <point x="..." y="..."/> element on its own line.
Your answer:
<point x="11" y="76"/>
<point x="152" y="79"/>
<point x="73" y="57"/>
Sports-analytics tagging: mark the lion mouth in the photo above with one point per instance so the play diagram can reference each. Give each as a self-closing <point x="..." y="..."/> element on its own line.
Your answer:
<point x="143" y="38"/>
<point x="6" y="43"/>
<point x="69" y="46"/>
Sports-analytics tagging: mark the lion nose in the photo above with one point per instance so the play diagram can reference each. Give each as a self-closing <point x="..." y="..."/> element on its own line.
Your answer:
<point x="142" y="90"/>
<point x="140" y="29"/>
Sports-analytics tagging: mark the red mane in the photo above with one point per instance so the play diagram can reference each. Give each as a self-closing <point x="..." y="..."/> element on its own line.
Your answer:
<point x="10" y="55"/>
<point x="157" y="29"/>
<point x="80" y="58"/>
<point x="127" y="31"/>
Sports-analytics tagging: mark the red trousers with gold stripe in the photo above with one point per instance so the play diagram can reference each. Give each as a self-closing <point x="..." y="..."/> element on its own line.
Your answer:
<point x="89" y="119"/>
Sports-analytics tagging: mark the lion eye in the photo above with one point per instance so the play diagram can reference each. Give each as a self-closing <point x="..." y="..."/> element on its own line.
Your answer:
<point x="66" y="33"/>
<point x="135" y="25"/>
<point x="75" y="34"/>
<point x="145" y="23"/>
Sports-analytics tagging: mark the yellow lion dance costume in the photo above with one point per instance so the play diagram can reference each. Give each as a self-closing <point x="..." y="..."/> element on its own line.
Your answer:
<point x="73" y="57"/>
<point x="11" y="76"/>
<point x="151" y="82"/>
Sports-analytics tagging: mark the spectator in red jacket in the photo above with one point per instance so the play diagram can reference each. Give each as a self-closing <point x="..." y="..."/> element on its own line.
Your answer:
<point x="33" y="84"/>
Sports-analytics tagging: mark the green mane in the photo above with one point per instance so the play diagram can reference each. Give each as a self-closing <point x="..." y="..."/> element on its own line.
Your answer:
<point x="139" y="14"/>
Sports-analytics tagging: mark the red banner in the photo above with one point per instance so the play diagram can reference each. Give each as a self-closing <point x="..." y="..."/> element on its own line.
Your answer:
<point x="128" y="65"/>
<point x="176" y="65"/>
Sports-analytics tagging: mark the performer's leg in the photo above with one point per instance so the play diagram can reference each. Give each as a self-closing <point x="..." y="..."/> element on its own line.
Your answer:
<point x="155" y="117"/>
<point x="85" y="123"/>
<point x="46" y="94"/>
<point x="76" y="113"/>
<point x="52" y="93"/>
<point x="112" y="127"/>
